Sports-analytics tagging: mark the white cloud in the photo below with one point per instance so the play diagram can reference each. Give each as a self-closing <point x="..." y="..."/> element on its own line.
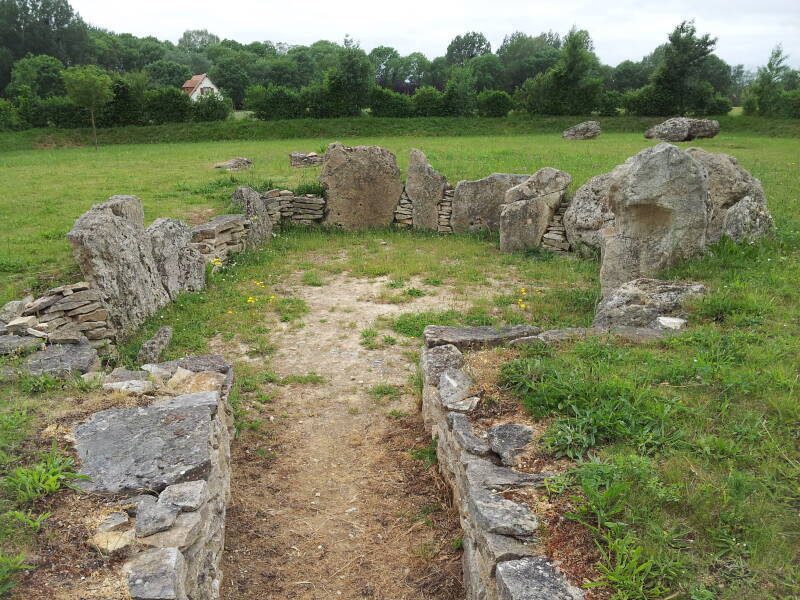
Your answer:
<point x="621" y="30"/>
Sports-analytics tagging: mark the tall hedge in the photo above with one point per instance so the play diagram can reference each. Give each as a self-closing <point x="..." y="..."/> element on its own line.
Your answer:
<point x="167" y="105"/>
<point x="427" y="101"/>
<point x="494" y="103"/>
<point x="386" y="103"/>
<point x="211" y="107"/>
<point x="274" y="102"/>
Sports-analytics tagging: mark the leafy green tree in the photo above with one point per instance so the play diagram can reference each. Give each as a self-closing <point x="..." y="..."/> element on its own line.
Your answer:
<point x="524" y="56"/>
<point x="718" y="73"/>
<point x="347" y="86"/>
<point x="167" y="105"/>
<point x="274" y="102"/>
<point x="380" y="59"/>
<point x="488" y="72"/>
<point x="438" y="73"/>
<point x="386" y="103"/>
<point x="230" y="75"/>
<point x="42" y="75"/>
<point x="91" y="88"/>
<point x="427" y="101"/>
<point x="494" y="103"/>
<point x="459" y="94"/>
<point x="465" y="47"/>
<point x="629" y="75"/>
<point x="676" y="87"/>
<point x="569" y="87"/>
<point x="417" y="65"/>
<point x="9" y="116"/>
<point x="211" y="107"/>
<point x="197" y="40"/>
<point x="166" y="73"/>
<point x="765" y="93"/>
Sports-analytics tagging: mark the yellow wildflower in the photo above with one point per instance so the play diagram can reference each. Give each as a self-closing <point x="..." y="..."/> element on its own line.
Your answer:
<point x="216" y="262"/>
<point x="250" y="300"/>
<point x="522" y="306"/>
<point x="271" y="298"/>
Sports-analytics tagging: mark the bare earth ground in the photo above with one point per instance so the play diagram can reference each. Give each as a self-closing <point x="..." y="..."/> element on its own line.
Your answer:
<point x="341" y="509"/>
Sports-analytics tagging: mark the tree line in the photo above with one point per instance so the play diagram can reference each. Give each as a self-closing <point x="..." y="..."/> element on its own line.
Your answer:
<point x="44" y="43"/>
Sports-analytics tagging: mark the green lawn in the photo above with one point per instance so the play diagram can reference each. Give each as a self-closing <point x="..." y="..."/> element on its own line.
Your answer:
<point x="687" y="450"/>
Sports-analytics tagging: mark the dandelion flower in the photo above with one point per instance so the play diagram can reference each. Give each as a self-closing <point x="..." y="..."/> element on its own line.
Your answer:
<point x="250" y="300"/>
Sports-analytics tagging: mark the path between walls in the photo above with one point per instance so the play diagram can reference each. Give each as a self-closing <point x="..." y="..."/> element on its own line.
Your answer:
<point x="340" y="512"/>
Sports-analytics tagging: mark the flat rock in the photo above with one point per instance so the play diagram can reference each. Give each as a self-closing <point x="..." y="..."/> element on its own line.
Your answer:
<point x="184" y="532"/>
<point x="157" y="574"/>
<point x="454" y="387"/>
<point x="437" y="360"/>
<point x="464" y="433"/>
<point x="153" y="517"/>
<point x="20" y="324"/>
<point x="482" y="472"/>
<point x="202" y="362"/>
<point x="495" y="514"/>
<point x="640" y="302"/>
<point x="533" y="578"/>
<point x="238" y="163"/>
<point x="62" y="360"/>
<point x="18" y="344"/>
<point x="474" y="338"/>
<point x="188" y="496"/>
<point x="122" y="374"/>
<point x="108" y="542"/>
<point x="114" y="522"/>
<point x="126" y="450"/>
<point x="508" y="439"/>
<point x="136" y="387"/>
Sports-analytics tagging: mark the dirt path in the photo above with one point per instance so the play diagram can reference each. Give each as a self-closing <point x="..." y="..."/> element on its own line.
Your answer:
<point x="341" y="509"/>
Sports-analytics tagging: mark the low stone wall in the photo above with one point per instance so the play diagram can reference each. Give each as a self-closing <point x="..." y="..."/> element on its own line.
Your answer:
<point x="502" y="557"/>
<point x="283" y="205"/>
<point x="168" y="467"/>
<point x="222" y="235"/>
<point x="301" y="160"/>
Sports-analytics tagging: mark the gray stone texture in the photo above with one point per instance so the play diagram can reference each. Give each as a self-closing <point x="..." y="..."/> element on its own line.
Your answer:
<point x="362" y="186"/>
<point x="533" y="578"/>
<point x="180" y="265"/>
<point x="153" y="348"/>
<point x="259" y="226"/>
<point x="437" y="360"/>
<point x="588" y="130"/>
<point x="587" y="214"/>
<point x="18" y="344"/>
<point x="157" y="574"/>
<point x="658" y="198"/>
<point x="425" y="189"/>
<point x="508" y="439"/>
<point x="473" y="338"/>
<point x="477" y="204"/>
<point x="640" y="302"/>
<point x="683" y="129"/>
<point x="62" y="360"/>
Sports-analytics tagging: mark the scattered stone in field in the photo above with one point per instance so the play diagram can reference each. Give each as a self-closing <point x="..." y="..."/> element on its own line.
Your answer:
<point x="530" y="209"/>
<point x="477" y="204"/>
<point x="737" y="207"/>
<point x="674" y="323"/>
<point x="153" y="348"/>
<point x="425" y="189"/>
<point x="235" y="164"/>
<point x="13" y="344"/>
<point x="153" y="517"/>
<point x="533" y="578"/>
<point x="157" y="574"/>
<point x="640" y="303"/>
<point x="587" y="214"/>
<point x="508" y="440"/>
<point x="588" y="130"/>
<point x="462" y="430"/>
<point x="63" y="360"/>
<point x="189" y="382"/>
<point x="301" y="160"/>
<point x="474" y="338"/>
<point x="108" y="542"/>
<point x="658" y="198"/>
<point x="438" y="359"/>
<point x="362" y="186"/>
<point x="683" y="129"/>
<point x="114" y="522"/>
<point x="555" y="336"/>
<point x="126" y="450"/>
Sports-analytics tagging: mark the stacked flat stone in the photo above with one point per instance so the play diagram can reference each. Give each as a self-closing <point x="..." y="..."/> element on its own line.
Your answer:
<point x="222" y="235"/>
<point x="286" y="202"/>
<point x="555" y="238"/>
<point x="446" y="211"/>
<point x="403" y="214"/>
<point x="301" y="160"/>
<point x="272" y="198"/>
<point x="64" y="315"/>
<point x="308" y="209"/>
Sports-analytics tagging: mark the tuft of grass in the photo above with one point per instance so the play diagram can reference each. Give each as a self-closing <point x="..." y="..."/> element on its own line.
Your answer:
<point x="426" y="454"/>
<point x="291" y="309"/>
<point x="54" y="472"/>
<point x="385" y="391"/>
<point x="312" y="278"/>
<point x="307" y="379"/>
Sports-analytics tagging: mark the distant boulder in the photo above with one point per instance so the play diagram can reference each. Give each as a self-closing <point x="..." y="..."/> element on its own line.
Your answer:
<point x="682" y="129"/>
<point x="588" y="130"/>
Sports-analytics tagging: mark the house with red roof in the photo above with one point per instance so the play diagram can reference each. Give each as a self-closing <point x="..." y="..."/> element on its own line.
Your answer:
<point x="200" y="85"/>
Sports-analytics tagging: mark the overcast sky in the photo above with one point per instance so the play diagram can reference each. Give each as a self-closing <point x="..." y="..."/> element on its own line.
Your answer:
<point x="621" y="29"/>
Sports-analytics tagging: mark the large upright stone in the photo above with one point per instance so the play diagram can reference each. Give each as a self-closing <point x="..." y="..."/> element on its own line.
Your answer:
<point x="738" y="207"/>
<point x="115" y="254"/>
<point x="362" y="186"/>
<point x="477" y="204"/>
<point x="587" y="214"/>
<point x="259" y="230"/>
<point x="425" y="188"/>
<point x="529" y="208"/>
<point x="658" y="198"/>
<point x="180" y="265"/>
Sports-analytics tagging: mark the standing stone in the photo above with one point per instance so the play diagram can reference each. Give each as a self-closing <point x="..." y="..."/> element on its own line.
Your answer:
<point x="477" y="204"/>
<point x="588" y="213"/>
<point x="659" y="199"/>
<point x="737" y="207"/>
<point x="529" y="208"/>
<point x="152" y="349"/>
<point x="362" y="186"/>
<point x="425" y="188"/>
<point x="588" y="130"/>
<point x="254" y="207"/>
<point x="682" y="129"/>
<point x="180" y="265"/>
<point x="116" y="257"/>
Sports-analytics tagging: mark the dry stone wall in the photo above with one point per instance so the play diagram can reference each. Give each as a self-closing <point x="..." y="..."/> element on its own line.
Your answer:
<point x="301" y="160"/>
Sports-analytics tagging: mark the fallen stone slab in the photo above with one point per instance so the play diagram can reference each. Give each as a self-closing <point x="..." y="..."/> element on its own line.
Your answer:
<point x="235" y="164"/>
<point x="197" y="364"/>
<point x="125" y="451"/>
<point x="18" y="344"/>
<point x="508" y="439"/>
<point x="533" y="578"/>
<point x="588" y="130"/>
<point x="62" y="360"/>
<point x="640" y="302"/>
<point x="474" y="338"/>
<point x="464" y="433"/>
<point x="683" y="129"/>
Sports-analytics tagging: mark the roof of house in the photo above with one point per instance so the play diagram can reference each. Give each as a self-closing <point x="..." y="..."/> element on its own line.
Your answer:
<point x="191" y="85"/>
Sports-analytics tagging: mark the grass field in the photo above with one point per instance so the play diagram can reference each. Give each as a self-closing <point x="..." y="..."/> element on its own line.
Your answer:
<point x="687" y="457"/>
